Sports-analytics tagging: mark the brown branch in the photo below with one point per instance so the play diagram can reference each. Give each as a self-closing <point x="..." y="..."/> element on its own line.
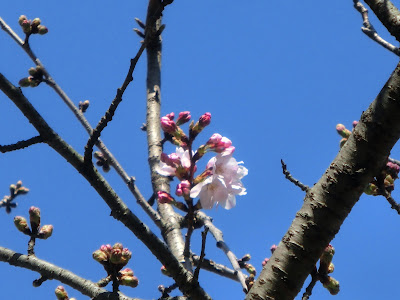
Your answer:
<point x="50" y="271"/>
<point x="331" y="199"/>
<point x="293" y="180"/>
<point x="388" y="14"/>
<point x="213" y="267"/>
<point x="111" y="110"/>
<point x="387" y="195"/>
<point x="119" y="210"/>
<point x="21" y="144"/>
<point x="82" y="119"/>
<point x="370" y="31"/>
<point x="202" y="254"/>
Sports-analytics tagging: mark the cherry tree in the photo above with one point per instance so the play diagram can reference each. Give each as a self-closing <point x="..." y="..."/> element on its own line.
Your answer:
<point x="195" y="170"/>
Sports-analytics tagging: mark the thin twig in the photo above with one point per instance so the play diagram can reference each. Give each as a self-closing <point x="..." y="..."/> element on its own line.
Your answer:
<point x="211" y="266"/>
<point x="111" y="110"/>
<point x="310" y="287"/>
<point x="153" y="214"/>
<point x="202" y="254"/>
<point x="21" y="144"/>
<point x="217" y="234"/>
<point x="289" y="177"/>
<point x="370" y="31"/>
<point x="387" y="195"/>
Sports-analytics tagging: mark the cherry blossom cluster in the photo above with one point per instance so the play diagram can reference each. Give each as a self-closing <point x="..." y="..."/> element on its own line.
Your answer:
<point x="389" y="174"/>
<point x="113" y="259"/>
<point x="218" y="184"/>
<point x="35" y="231"/>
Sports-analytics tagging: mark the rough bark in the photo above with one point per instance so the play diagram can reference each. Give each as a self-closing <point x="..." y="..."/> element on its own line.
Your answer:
<point x="171" y="233"/>
<point x="328" y="203"/>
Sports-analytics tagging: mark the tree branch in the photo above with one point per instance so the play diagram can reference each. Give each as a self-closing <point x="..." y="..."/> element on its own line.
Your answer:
<point x="50" y="271"/>
<point x="21" y="144"/>
<point x="172" y="235"/>
<point x="388" y="14"/>
<point x="293" y="180"/>
<point x="119" y="210"/>
<point x="328" y="203"/>
<point x="370" y="31"/>
<point x="82" y="119"/>
<point x="217" y="234"/>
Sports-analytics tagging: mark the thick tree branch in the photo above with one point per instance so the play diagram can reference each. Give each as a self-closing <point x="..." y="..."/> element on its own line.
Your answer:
<point x="172" y="234"/>
<point x="328" y="203"/>
<point x="119" y="210"/>
<point x="388" y="14"/>
<point x="50" y="271"/>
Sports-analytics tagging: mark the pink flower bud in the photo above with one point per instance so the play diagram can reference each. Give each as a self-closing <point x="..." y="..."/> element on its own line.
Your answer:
<point x="327" y="255"/>
<point x="265" y="261"/>
<point x="170" y="116"/>
<point x="168" y="125"/>
<point x="205" y="119"/>
<point x="273" y="248"/>
<point x="165" y="271"/>
<point x="341" y="129"/>
<point x="183" y="189"/>
<point x="355" y="123"/>
<point x="126" y="272"/>
<point x="214" y="139"/>
<point x="164" y="197"/>
<point x="61" y="293"/>
<point x="45" y="232"/>
<point x="183" y="117"/>
<point x="34" y="216"/>
<point x="118" y="246"/>
<point x="393" y="167"/>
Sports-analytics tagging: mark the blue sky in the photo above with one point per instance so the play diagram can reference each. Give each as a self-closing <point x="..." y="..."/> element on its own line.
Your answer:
<point x="277" y="76"/>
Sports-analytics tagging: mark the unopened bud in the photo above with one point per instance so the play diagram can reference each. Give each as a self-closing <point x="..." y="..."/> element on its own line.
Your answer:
<point x="183" y="118"/>
<point x="341" y="129"/>
<point x="34" y="216"/>
<point x="21" y="19"/>
<point x="35" y="22"/>
<point x="42" y="30"/>
<point x="45" y="232"/>
<point x="327" y="255"/>
<point x="332" y="285"/>
<point x="83" y="106"/>
<point x="25" y="82"/>
<point x="61" y="293"/>
<point x="100" y="256"/>
<point x="164" y="197"/>
<point x="131" y="281"/>
<point x="21" y="224"/>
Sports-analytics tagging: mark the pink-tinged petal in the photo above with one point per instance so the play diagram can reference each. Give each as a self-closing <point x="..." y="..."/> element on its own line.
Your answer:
<point x="229" y="203"/>
<point x="165" y="170"/>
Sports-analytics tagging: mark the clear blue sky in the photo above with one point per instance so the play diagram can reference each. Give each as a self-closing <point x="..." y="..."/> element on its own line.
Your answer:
<point x="277" y="76"/>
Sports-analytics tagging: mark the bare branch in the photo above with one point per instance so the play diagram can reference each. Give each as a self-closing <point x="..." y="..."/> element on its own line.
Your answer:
<point x="82" y="119"/>
<point x="217" y="234"/>
<point x="388" y="14"/>
<point x="211" y="266"/>
<point x="289" y="177"/>
<point x="370" y="31"/>
<point x="111" y="110"/>
<point x="21" y="144"/>
<point x="202" y="254"/>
